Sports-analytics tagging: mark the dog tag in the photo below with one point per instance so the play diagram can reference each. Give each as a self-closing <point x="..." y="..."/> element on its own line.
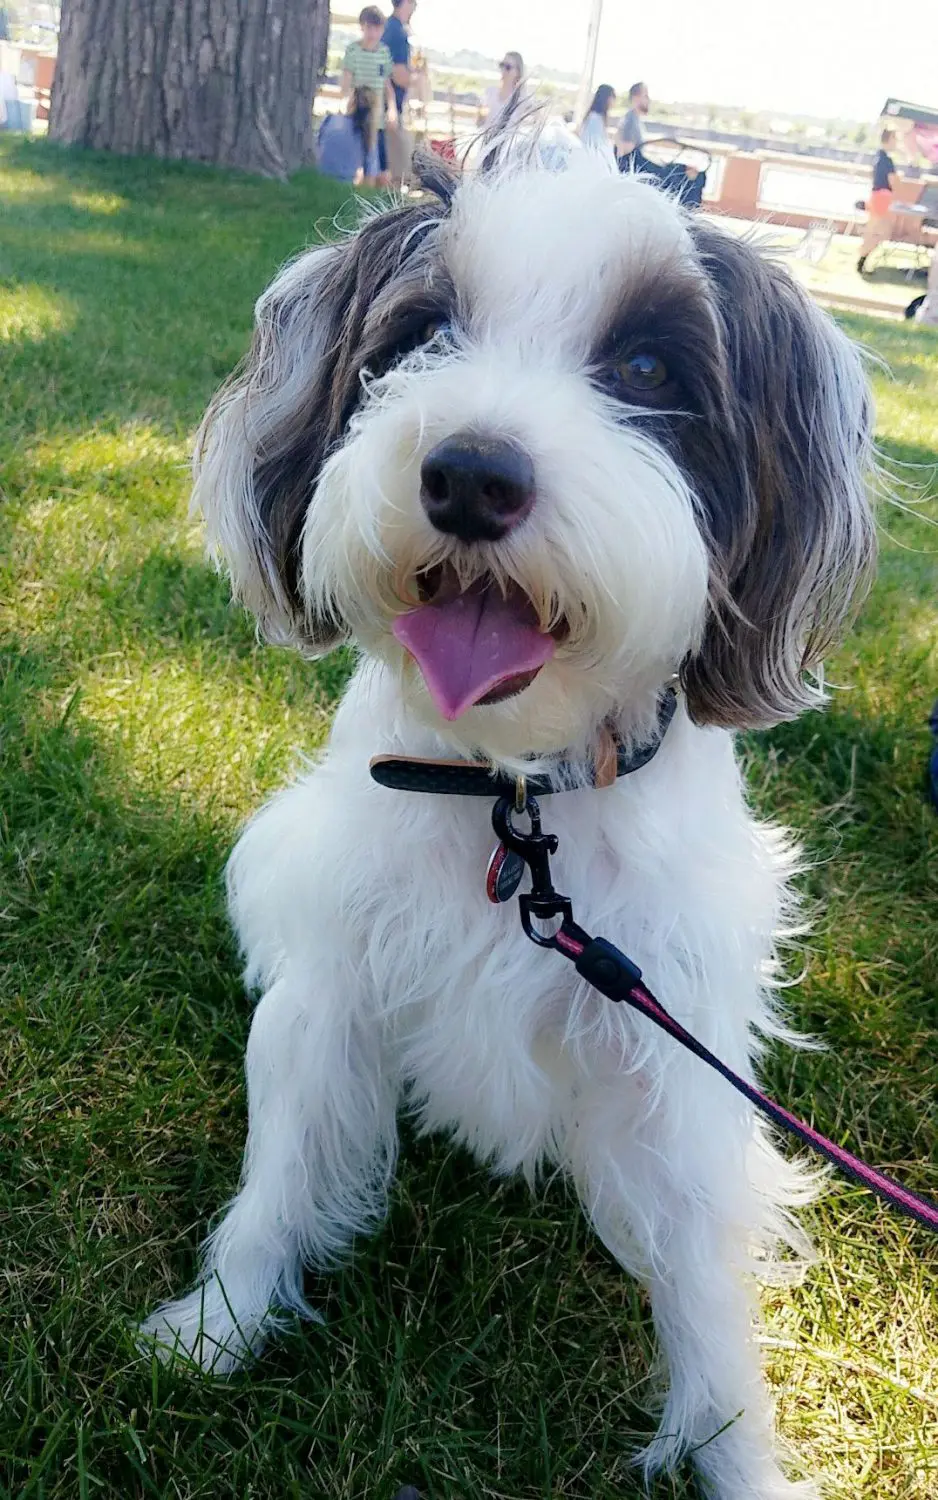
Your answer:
<point x="503" y="876"/>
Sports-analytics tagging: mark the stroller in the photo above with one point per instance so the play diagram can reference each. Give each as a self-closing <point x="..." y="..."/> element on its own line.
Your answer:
<point x="679" y="168"/>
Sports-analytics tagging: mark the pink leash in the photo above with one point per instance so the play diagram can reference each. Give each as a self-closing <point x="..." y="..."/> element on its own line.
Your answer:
<point x="608" y="970"/>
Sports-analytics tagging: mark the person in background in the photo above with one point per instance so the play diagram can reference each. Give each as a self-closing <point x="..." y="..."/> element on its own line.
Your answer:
<point x="347" y="145"/>
<point x="684" y="181"/>
<point x="396" y="39"/>
<point x="879" y="203"/>
<point x="367" y="65"/>
<point x="497" y="100"/>
<point x="421" y="87"/>
<point x="594" y="130"/>
<point x="631" y="134"/>
<point x="419" y="99"/>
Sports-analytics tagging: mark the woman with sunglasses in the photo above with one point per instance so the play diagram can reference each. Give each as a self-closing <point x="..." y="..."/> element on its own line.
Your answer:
<point x="499" y="99"/>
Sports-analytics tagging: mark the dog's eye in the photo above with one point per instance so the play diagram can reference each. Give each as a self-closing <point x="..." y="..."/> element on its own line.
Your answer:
<point x="419" y="335"/>
<point x="642" y="371"/>
<point x="380" y="361"/>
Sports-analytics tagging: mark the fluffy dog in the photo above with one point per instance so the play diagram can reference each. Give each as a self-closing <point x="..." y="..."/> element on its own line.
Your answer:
<point x="541" y="447"/>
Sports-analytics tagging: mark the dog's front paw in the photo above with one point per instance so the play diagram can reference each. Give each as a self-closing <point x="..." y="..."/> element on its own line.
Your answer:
<point x="765" y="1481"/>
<point x="732" y="1466"/>
<point x="778" y="1487"/>
<point x="203" y="1330"/>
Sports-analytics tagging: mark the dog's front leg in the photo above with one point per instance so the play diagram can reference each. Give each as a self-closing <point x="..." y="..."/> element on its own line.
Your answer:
<point x="671" y="1198"/>
<point x="320" y="1151"/>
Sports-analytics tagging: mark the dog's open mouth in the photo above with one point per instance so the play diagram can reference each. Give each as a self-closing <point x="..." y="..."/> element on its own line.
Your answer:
<point x="476" y="645"/>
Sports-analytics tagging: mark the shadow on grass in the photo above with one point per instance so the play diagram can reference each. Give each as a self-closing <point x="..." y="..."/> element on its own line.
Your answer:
<point x="176" y="602"/>
<point x="481" y="1344"/>
<point x="912" y="276"/>
<point x="476" y="1322"/>
<point x="95" y="865"/>
<point x="63" y="171"/>
<point x="160" y="278"/>
<point x="852" y="785"/>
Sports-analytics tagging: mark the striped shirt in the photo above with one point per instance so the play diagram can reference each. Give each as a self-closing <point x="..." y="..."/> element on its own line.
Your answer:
<point x="369" y="70"/>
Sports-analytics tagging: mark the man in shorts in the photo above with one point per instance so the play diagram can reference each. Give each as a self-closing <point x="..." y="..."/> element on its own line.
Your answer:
<point x="397" y="41"/>
<point x="879" y="204"/>
<point x="367" y="65"/>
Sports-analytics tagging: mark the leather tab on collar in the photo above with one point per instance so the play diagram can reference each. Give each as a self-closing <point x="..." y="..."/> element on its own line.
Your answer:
<point x="468" y="778"/>
<point x="605" y="763"/>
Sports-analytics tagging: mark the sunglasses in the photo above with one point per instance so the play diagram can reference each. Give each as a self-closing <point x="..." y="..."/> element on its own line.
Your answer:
<point x="507" y="67"/>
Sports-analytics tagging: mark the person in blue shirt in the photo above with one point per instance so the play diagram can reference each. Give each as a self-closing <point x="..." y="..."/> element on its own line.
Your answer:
<point x="347" y="144"/>
<point x="397" y="41"/>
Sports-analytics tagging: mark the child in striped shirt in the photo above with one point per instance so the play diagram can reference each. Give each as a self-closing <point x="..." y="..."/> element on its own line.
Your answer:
<point x="367" y="65"/>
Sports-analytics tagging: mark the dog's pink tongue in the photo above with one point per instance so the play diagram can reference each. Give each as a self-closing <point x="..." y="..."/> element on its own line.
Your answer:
<point x="468" y="645"/>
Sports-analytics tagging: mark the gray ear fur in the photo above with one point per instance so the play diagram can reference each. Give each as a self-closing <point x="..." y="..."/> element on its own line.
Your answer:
<point x="792" y="537"/>
<point x="251" y="502"/>
<point x="270" y="428"/>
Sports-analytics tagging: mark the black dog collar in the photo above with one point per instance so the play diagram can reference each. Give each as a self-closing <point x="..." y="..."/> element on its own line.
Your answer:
<point x="467" y="778"/>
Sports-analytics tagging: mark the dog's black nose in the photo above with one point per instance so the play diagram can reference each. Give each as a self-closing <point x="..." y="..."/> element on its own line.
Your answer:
<point x="476" y="487"/>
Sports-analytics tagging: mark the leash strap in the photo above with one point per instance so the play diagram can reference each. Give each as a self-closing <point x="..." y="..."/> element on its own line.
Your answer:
<point x="614" y="975"/>
<point x="597" y="960"/>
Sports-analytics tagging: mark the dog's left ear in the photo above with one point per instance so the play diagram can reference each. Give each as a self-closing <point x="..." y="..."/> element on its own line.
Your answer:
<point x="788" y="513"/>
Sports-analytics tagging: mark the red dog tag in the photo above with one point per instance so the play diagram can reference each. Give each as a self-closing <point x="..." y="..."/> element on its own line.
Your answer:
<point x="503" y="876"/>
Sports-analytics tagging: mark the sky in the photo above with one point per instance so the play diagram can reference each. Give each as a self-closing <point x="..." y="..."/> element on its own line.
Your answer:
<point x="823" y="57"/>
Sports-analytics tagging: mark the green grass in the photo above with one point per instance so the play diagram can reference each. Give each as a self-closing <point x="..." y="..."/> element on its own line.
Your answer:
<point x="482" y="1345"/>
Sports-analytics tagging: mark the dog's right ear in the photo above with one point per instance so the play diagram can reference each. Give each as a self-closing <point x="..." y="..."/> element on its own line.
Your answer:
<point x="271" y="427"/>
<point x="262" y="443"/>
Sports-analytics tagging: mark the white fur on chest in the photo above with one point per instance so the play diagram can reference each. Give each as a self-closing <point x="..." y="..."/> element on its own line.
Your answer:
<point x="382" y="895"/>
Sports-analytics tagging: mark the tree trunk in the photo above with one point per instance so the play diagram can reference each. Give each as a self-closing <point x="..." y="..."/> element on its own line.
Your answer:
<point x="224" y="81"/>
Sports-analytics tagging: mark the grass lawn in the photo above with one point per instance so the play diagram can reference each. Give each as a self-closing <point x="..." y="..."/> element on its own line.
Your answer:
<point x="483" y="1345"/>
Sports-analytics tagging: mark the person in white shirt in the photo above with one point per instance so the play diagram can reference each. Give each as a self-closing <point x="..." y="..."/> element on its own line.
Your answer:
<point x="497" y="100"/>
<point x="594" y="130"/>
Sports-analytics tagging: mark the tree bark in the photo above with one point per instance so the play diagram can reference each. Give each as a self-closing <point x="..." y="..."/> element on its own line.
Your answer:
<point x="224" y="81"/>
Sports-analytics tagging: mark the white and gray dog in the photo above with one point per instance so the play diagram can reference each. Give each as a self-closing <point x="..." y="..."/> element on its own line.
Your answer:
<point x="541" y="445"/>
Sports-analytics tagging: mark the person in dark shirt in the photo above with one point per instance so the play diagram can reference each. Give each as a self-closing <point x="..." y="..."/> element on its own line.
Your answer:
<point x="884" y="168"/>
<point x="396" y="40"/>
<point x="879" y="204"/>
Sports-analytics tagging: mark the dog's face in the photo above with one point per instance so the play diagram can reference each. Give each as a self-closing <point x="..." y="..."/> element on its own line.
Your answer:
<point x="540" y="445"/>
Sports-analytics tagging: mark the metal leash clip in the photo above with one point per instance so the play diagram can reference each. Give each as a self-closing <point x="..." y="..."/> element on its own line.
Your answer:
<point x="542" y="903"/>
